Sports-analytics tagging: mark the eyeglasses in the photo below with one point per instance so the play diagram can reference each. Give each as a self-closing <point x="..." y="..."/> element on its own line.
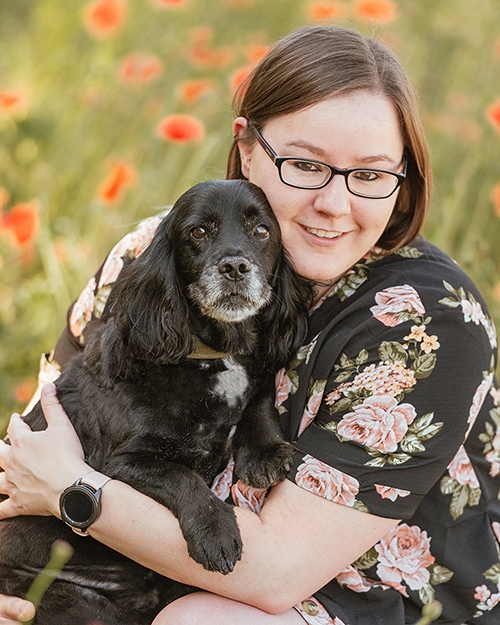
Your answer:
<point x="300" y="173"/>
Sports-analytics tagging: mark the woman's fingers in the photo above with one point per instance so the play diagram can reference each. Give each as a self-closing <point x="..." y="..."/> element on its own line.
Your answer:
<point x="52" y="409"/>
<point x="14" y="609"/>
<point x="58" y="421"/>
<point x="32" y="480"/>
<point x="16" y="428"/>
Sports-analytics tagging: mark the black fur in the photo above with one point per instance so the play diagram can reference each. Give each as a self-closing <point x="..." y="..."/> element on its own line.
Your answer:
<point x="151" y="415"/>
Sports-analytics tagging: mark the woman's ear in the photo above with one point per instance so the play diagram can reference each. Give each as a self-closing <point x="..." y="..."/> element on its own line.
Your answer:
<point x="244" y="147"/>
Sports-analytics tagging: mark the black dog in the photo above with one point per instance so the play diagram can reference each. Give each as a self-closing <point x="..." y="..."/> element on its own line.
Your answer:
<point x="194" y="330"/>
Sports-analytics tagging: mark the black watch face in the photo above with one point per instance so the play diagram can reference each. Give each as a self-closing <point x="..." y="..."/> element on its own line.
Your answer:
<point x="79" y="506"/>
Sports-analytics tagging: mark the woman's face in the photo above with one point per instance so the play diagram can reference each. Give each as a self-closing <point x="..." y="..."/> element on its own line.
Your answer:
<point x="327" y="230"/>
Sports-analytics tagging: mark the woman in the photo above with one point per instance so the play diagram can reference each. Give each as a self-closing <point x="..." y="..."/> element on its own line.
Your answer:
<point x="392" y="402"/>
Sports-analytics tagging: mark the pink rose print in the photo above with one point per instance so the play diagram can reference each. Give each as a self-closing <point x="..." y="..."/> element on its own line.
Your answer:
<point x="495" y="526"/>
<point x="486" y="599"/>
<point x="397" y="304"/>
<point x="248" y="497"/>
<point x="283" y="387"/>
<point x="327" y="482"/>
<point x="493" y="456"/>
<point x="389" y="492"/>
<point x="142" y="236"/>
<point x="47" y="372"/>
<point x="461" y="470"/>
<point x="482" y="593"/>
<point x="352" y="578"/>
<point x="311" y="409"/>
<point x="134" y="242"/>
<point x="221" y="486"/>
<point x="379" y="422"/>
<point x="472" y="312"/>
<point x="404" y="555"/>
<point x="111" y="269"/>
<point x="81" y="313"/>
<point x="478" y="400"/>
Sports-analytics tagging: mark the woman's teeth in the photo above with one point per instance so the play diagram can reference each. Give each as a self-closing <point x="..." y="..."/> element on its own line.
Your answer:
<point x="324" y="234"/>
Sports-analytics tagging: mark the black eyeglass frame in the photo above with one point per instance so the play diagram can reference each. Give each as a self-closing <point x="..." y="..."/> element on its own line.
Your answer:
<point x="334" y="171"/>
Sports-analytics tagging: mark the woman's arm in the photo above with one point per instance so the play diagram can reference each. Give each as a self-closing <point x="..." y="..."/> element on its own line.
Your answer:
<point x="297" y="545"/>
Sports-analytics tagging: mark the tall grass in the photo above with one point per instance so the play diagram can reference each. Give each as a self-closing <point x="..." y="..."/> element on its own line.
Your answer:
<point x="76" y="115"/>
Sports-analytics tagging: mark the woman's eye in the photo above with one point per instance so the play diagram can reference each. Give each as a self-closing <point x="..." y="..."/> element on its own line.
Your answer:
<point x="261" y="232"/>
<point x="307" y="166"/>
<point x="199" y="233"/>
<point x="367" y="175"/>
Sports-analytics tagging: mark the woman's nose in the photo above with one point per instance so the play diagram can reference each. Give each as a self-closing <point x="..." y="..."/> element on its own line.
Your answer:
<point x="334" y="199"/>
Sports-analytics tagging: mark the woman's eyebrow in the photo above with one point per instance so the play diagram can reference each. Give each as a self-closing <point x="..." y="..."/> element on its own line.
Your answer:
<point x="368" y="160"/>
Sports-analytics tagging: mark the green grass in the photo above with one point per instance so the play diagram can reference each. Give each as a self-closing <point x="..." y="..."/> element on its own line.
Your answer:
<point x="81" y="115"/>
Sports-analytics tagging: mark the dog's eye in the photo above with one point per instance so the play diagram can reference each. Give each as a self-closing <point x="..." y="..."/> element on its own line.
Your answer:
<point x="199" y="233"/>
<point x="261" y="232"/>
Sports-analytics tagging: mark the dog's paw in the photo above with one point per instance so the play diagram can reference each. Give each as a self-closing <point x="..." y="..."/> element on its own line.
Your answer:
<point x="264" y="466"/>
<point x="213" y="537"/>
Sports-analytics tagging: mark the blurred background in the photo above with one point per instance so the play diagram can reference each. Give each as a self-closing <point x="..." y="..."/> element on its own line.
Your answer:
<point x="110" y="109"/>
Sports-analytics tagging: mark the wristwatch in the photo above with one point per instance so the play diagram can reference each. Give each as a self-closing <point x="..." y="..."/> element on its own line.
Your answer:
<point x="80" y="503"/>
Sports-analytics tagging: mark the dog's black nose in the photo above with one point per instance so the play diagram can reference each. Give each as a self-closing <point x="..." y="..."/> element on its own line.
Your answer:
<point x="234" y="268"/>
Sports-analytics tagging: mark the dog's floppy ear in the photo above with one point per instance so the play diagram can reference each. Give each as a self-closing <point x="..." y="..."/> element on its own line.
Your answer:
<point x="284" y="320"/>
<point x="148" y="307"/>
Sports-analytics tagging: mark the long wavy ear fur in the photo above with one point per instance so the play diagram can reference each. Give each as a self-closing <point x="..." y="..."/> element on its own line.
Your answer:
<point x="148" y="307"/>
<point x="285" y="319"/>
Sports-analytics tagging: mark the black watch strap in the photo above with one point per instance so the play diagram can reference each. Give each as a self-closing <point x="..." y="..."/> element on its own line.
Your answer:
<point x="80" y="503"/>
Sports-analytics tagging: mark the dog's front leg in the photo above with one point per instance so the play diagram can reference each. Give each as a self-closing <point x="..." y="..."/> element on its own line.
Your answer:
<point x="262" y="457"/>
<point x="208" y="524"/>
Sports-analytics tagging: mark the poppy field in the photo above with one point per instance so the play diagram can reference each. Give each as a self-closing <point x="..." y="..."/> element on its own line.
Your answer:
<point x="110" y="109"/>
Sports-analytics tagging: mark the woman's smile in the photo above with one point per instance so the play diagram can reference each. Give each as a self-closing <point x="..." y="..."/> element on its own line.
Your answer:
<point x="324" y="234"/>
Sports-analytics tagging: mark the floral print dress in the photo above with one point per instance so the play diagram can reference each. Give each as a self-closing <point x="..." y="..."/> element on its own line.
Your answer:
<point x="394" y="409"/>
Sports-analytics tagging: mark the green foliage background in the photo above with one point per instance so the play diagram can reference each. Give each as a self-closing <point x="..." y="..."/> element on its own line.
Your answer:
<point x="81" y="115"/>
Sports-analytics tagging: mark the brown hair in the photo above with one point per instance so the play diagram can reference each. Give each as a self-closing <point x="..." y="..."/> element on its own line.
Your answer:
<point x="320" y="62"/>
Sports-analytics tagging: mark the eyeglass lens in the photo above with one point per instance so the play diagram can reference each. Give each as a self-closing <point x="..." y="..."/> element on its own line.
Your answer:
<point x="369" y="183"/>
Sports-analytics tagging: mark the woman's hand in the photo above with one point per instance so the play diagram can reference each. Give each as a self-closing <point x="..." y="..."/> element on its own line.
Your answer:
<point x="38" y="466"/>
<point x="14" y="609"/>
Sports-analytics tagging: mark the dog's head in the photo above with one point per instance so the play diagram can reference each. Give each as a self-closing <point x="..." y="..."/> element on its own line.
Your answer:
<point x="217" y="256"/>
<point x="226" y="246"/>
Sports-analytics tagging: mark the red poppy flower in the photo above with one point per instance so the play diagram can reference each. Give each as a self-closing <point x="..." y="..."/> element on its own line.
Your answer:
<point x="104" y="17"/>
<point x="496" y="199"/>
<point x="256" y="52"/>
<point x="120" y="177"/>
<point x="325" y="11"/>
<point x="139" y="68"/>
<point x="24" y="391"/>
<point x="204" y="56"/>
<point x="493" y="114"/>
<point x="381" y="11"/>
<point x="21" y="222"/>
<point x="239" y="77"/>
<point x="13" y="101"/>
<point x="181" y="129"/>
<point x="193" y="90"/>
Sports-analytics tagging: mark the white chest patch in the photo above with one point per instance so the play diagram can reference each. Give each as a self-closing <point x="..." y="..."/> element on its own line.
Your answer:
<point x="231" y="383"/>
